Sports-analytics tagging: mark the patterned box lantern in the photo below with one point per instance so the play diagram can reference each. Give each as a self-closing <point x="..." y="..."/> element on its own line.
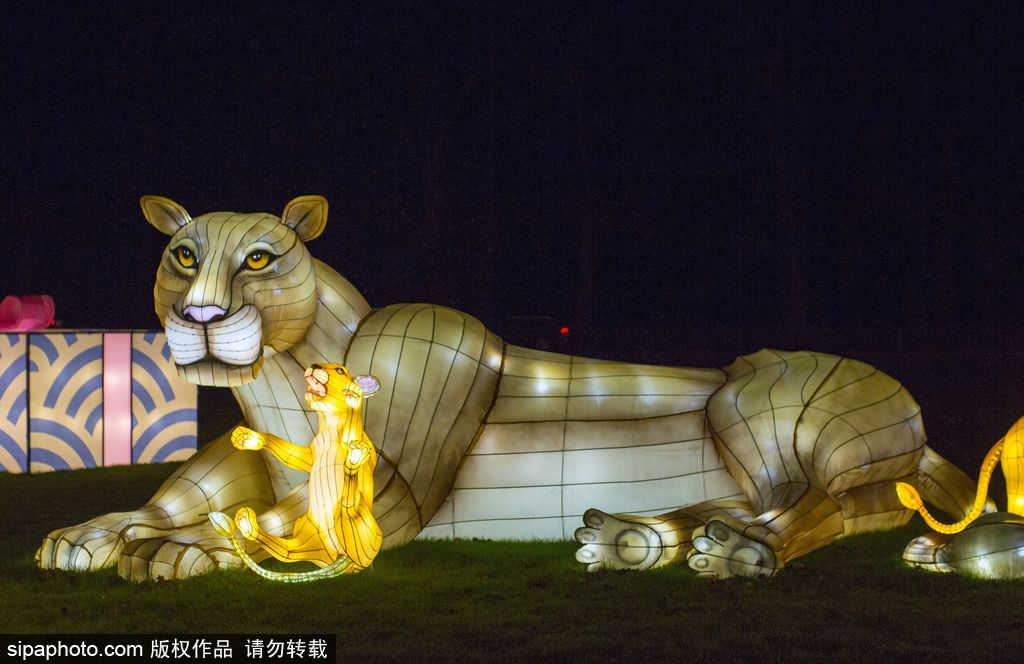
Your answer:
<point x="163" y="404"/>
<point x="73" y="400"/>
<point x="14" y="403"/>
<point x="65" y="401"/>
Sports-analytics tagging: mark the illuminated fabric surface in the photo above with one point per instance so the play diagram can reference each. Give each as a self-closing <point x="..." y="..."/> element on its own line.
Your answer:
<point x="772" y="457"/>
<point x="566" y="433"/>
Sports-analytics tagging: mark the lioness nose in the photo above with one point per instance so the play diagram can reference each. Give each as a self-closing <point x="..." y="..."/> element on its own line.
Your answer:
<point x="204" y="314"/>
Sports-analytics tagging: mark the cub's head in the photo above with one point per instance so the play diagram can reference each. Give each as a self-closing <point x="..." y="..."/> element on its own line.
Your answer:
<point x="230" y="283"/>
<point x="330" y="388"/>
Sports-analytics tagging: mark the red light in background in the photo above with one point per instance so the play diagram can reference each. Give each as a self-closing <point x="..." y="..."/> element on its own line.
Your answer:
<point x="564" y="330"/>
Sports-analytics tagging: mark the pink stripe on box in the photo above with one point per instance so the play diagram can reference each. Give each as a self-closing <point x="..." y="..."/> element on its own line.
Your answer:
<point x="117" y="399"/>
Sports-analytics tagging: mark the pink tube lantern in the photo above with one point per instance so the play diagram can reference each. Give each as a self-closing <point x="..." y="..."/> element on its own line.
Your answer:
<point x="24" y="313"/>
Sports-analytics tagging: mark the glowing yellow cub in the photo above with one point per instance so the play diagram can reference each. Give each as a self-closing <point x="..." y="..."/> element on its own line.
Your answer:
<point x="338" y="532"/>
<point x="1010" y="449"/>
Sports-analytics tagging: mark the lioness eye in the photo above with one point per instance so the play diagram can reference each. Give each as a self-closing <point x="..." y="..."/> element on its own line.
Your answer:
<point x="185" y="256"/>
<point x="257" y="260"/>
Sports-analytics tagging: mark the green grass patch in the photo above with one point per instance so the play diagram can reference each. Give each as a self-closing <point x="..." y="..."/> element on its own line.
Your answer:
<point x="513" y="601"/>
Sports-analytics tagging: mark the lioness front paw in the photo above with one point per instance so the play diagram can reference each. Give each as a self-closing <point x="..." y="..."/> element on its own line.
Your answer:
<point x="89" y="546"/>
<point x="97" y="543"/>
<point x="721" y="552"/>
<point x="612" y="543"/>
<point x="244" y="438"/>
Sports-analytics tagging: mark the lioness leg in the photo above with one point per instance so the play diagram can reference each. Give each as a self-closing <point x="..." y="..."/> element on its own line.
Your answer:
<point x="182" y="553"/>
<point x="627" y="541"/>
<point x="215" y="477"/>
<point x="731" y="546"/>
<point x="199" y="548"/>
<point x="798" y="432"/>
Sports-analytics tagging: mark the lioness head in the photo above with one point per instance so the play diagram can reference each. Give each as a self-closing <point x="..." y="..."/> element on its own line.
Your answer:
<point x="231" y="283"/>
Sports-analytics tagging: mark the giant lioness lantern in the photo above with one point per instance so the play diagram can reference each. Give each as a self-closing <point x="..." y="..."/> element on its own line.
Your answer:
<point x="737" y="470"/>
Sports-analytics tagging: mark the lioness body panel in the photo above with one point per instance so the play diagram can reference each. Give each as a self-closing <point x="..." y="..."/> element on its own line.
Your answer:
<point x="786" y="451"/>
<point x="554" y="445"/>
<point x="439" y="373"/>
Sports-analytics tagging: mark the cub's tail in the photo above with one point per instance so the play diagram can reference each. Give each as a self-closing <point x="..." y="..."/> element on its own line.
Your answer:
<point x="943" y="485"/>
<point x="224" y="525"/>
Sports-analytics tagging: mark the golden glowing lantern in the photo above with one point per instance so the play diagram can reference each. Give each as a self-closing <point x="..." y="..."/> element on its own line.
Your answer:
<point x="338" y="532"/>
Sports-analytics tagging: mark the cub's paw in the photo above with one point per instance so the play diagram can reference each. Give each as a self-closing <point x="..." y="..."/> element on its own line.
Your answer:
<point x="721" y="552"/>
<point x="244" y="438"/>
<point x="613" y="543"/>
<point x="358" y="454"/>
<point x="245" y="519"/>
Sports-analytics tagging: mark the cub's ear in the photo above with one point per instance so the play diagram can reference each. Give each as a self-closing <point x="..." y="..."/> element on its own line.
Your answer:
<point x="368" y="384"/>
<point x="164" y="214"/>
<point x="306" y="215"/>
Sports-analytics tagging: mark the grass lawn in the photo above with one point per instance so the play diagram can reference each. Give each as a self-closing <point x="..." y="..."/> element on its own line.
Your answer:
<point x="513" y="601"/>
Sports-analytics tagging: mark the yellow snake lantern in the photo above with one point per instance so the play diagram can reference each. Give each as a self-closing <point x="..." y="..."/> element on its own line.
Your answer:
<point x="338" y="532"/>
<point x="987" y="545"/>
<point x="735" y="471"/>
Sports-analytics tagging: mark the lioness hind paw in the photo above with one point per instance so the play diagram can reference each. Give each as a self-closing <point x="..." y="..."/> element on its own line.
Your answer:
<point x="721" y="552"/>
<point x="613" y="543"/>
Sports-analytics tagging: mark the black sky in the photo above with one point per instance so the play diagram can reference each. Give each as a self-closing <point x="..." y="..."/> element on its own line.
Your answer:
<point x="716" y="175"/>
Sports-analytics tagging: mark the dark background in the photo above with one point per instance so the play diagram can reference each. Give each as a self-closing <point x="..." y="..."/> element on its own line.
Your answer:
<point x="675" y="183"/>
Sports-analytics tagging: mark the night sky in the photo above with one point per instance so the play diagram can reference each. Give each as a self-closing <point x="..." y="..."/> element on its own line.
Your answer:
<point x="699" y="177"/>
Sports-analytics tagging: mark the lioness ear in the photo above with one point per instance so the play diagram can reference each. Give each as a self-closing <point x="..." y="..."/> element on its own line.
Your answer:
<point x="368" y="384"/>
<point x="164" y="214"/>
<point x="306" y="215"/>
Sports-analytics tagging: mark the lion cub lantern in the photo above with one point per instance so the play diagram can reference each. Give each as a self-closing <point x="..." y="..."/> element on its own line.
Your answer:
<point x="338" y="532"/>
